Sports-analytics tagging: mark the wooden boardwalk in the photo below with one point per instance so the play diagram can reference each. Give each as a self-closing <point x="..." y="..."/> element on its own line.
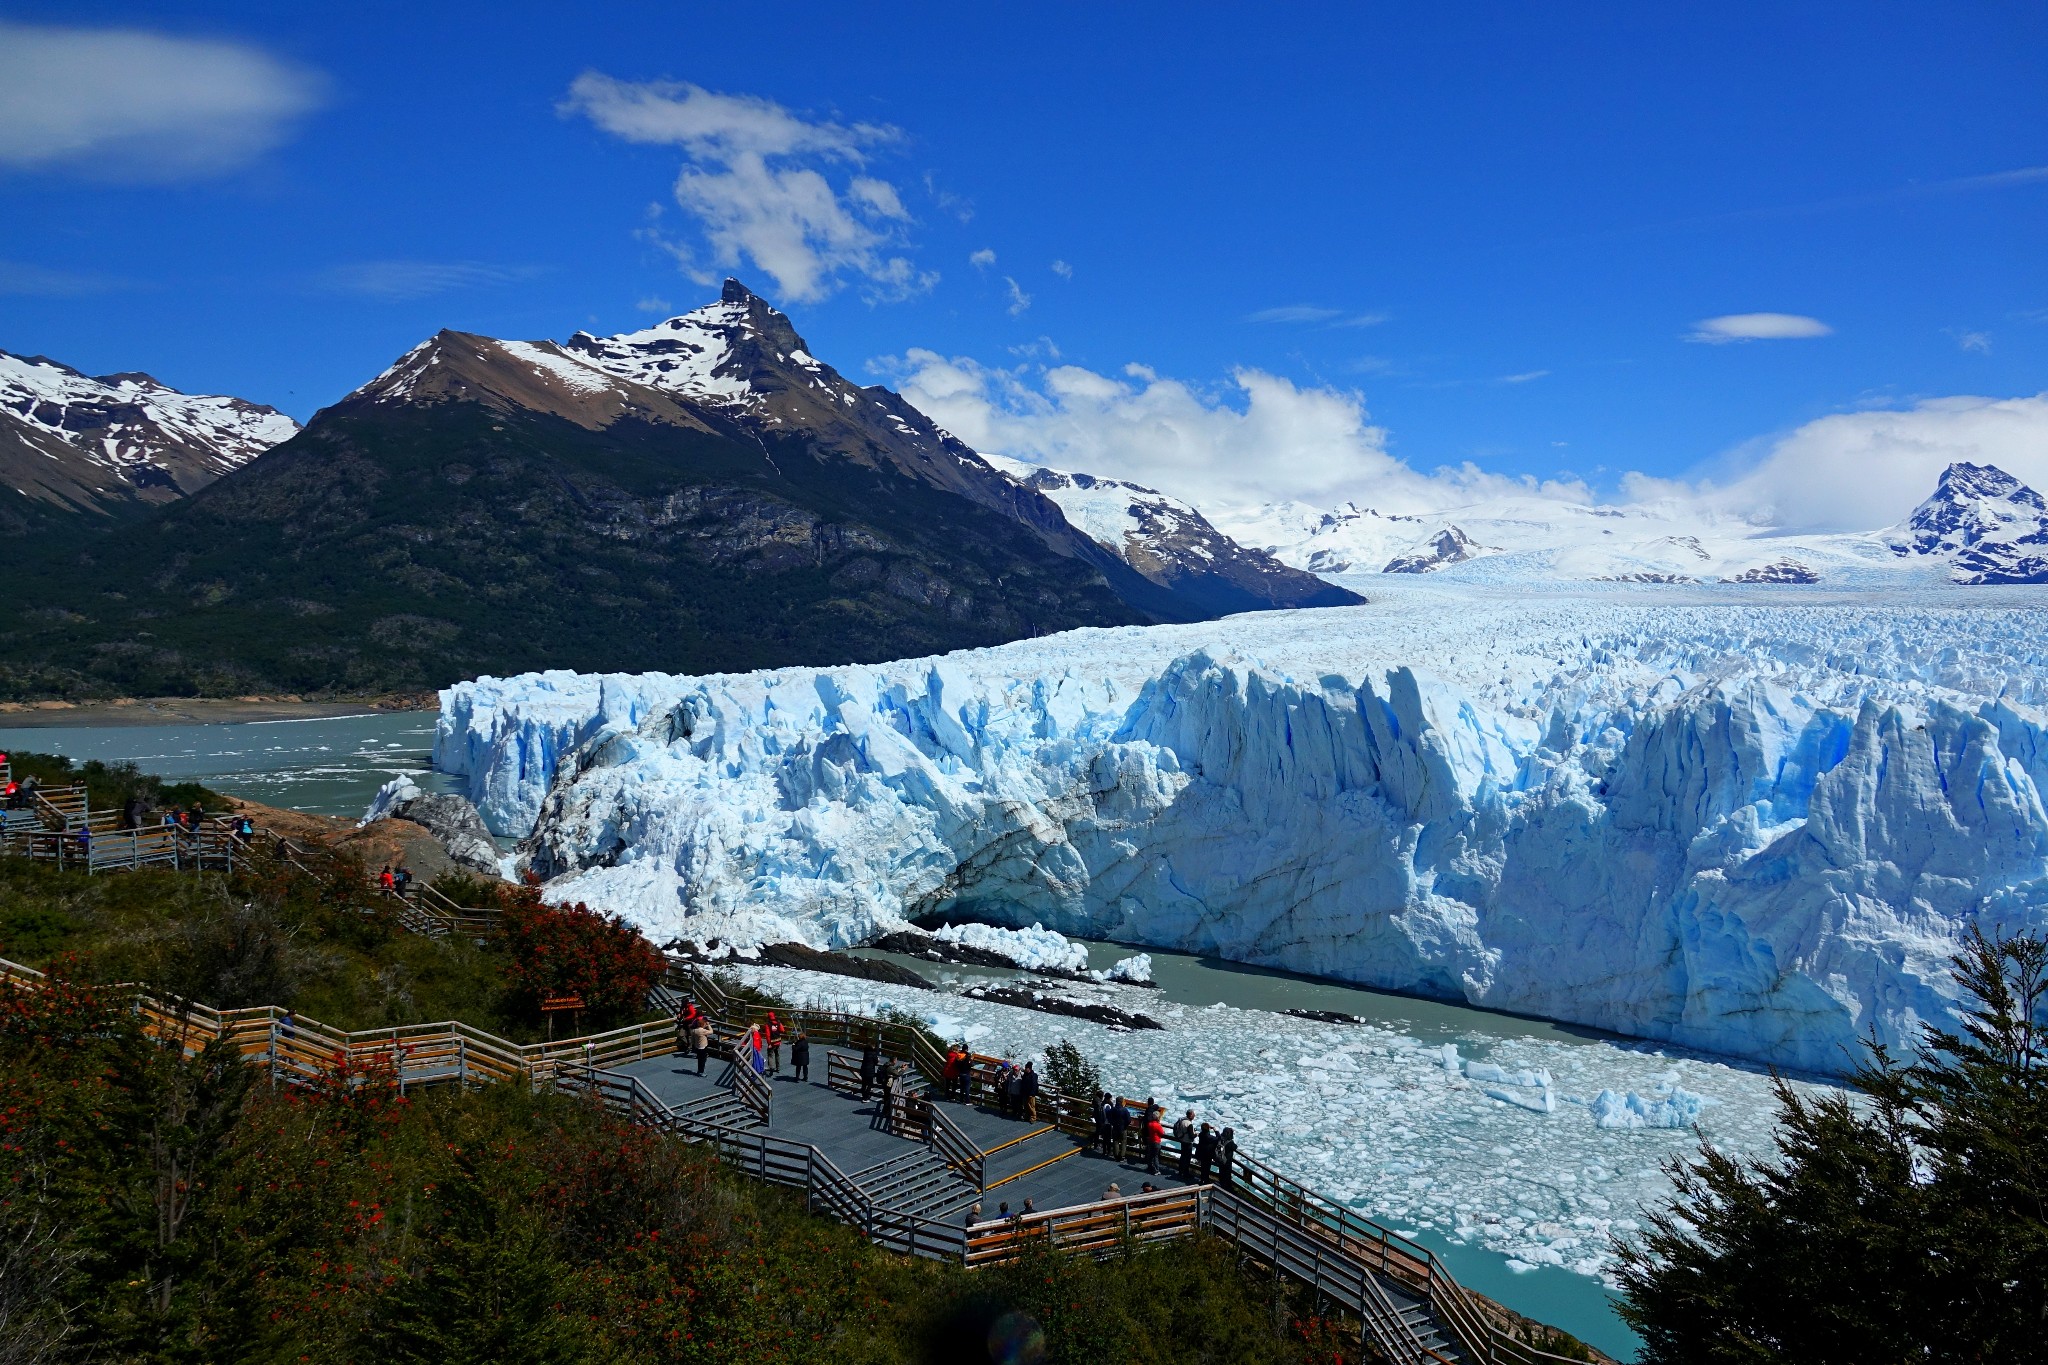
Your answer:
<point x="1034" y="1161"/>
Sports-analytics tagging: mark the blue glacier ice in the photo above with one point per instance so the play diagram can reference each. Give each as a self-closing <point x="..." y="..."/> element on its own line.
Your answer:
<point x="1742" y="820"/>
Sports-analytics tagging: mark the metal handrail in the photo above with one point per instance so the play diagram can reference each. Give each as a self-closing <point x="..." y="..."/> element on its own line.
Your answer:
<point x="950" y="1141"/>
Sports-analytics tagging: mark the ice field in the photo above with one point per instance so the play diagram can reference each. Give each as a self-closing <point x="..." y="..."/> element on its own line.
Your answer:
<point x="1749" y="820"/>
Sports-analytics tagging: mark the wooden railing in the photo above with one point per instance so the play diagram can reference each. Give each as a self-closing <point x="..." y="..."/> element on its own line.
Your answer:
<point x="1092" y="1229"/>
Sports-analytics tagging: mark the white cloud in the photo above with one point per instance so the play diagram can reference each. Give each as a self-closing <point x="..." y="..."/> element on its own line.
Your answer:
<point x="1978" y="342"/>
<point x="1859" y="471"/>
<point x="1019" y="300"/>
<point x="1063" y="270"/>
<point x="982" y="259"/>
<point x="20" y="278"/>
<point x="1525" y="377"/>
<point x="1264" y="439"/>
<point x="654" y="303"/>
<point x="1757" y="327"/>
<point x="396" y="281"/>
<point x="131" y="105"/>
<point x="757" y="184"/>
<point x="1295" y="312"/>
<point x="1260" y="438"/>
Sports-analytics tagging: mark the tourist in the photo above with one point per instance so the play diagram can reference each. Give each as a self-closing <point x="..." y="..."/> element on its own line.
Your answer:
<point x="1119" y="1128"/>
<point x="1101" y="1114"/>
<point x="974" y="1213"/>
<point x="1027" y="1091"/>
<point x="1012" y="1090"/>
<point x="401" y="880"/>
<point x="772" y="1034"/>
<point x="1205" y="1152"/>
<point x="384" y="878"/>
<point x="949" y="1074"/>
<point x="700" y="1041"/>
<point x="682" y="1031"/>
<point x="1154" y="1134"/>
<point x="1184" y="1139"/>
<point x="1226" y="1155"/>
<point x="800" y="1055"/>
<point x="870" y="1061"/>
<point x="1112" y="1193"/>
<point x="1028" y="1209"/>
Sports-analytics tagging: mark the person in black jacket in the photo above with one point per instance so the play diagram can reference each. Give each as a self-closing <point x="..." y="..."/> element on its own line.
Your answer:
<point x="870" y="1063"/>
<point x="1226" y="1155"/>
<point x="1119" y="1127"/>
<point x="800" y="1055"/>
<point x="1027" y="1088"/>
<point x="1205" y="1152"/>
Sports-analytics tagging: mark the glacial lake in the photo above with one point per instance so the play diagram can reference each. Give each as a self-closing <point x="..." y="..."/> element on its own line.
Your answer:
<point x="334" y="765"/>
<point x="328" y="765"/>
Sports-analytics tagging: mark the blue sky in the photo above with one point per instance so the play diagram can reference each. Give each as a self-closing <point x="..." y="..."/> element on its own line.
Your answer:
<point x="1496" y="231"/>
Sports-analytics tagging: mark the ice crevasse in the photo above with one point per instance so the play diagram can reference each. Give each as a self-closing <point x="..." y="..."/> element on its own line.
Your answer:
<point x="1750" y="828"/>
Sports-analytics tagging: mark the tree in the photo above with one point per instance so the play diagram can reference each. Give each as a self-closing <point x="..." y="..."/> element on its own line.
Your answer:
<point x="1909" y="1223"/>
<point x="576" y="951"/>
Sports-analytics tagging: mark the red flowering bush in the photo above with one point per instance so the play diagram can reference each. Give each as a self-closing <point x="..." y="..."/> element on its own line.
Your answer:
<point x="573" y="950"/>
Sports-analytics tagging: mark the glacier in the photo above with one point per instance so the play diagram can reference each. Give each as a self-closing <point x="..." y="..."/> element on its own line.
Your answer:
<point x="1752" y="821"/>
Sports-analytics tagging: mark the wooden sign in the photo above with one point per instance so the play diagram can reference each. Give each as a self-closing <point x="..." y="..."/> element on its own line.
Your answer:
<point x="550" y="1004"/>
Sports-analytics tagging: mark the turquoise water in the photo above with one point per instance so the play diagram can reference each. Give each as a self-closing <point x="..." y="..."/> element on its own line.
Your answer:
<point x="330" y="765"/>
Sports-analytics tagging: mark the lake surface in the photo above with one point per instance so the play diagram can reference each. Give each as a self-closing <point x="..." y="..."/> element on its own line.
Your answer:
<point x="329" y="765"/>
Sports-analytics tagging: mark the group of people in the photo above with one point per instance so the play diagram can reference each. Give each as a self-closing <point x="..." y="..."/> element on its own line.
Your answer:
<point x="1204" y="1153"/>
<point x="1015" y="1088"/>
<point x="396" y="880"/>
<point x="759" y="1049"/>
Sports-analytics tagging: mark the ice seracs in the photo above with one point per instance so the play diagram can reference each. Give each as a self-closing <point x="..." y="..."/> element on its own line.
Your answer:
<point x="1749" y="828"/>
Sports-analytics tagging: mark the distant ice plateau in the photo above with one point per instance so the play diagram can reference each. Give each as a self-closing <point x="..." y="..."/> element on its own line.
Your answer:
<point x="1751" y="819"/>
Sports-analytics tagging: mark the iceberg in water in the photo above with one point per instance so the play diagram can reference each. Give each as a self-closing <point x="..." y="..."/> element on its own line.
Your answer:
<point x="1751" y="828"/>
<point x="1036" y="948"/>
<point x="1675" y="1107"/>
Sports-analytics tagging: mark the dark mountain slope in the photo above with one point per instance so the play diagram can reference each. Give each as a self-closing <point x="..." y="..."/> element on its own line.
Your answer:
<point x="398" y="548"/>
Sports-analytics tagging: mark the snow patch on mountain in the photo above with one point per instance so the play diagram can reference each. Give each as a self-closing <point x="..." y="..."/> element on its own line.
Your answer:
<point x="1701" y="816"/>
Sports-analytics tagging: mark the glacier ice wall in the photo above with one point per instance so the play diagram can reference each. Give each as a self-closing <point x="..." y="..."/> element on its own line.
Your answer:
<point x="1747" y="828"/>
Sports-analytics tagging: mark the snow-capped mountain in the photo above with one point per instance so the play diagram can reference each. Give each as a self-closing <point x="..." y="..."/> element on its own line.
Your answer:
<point x="738" y="367"/>
<point x="1991" y="527"/>
<point x="1172" y="544"/>
<point x="1449" y="546"/>
<point x="82" y="443"/>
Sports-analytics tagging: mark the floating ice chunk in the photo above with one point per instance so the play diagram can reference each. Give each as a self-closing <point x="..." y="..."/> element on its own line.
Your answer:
<point x="1135" y="970"/>
<point x="389" y="798"/>
<point x="1036" y="948"/>
<point x="1676" y="1107"/>
<point x="1542" y="1101"/>
<point x="1450" y="1056"/>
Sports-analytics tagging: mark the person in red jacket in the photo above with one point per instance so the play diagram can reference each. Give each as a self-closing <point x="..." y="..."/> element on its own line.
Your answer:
<point x="1155" y="1134"/>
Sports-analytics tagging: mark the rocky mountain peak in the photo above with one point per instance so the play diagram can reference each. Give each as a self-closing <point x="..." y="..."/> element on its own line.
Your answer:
<point x="1992" y="527"/>
<point x="1450" y="545"/>
<point x="68" y="439"/>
